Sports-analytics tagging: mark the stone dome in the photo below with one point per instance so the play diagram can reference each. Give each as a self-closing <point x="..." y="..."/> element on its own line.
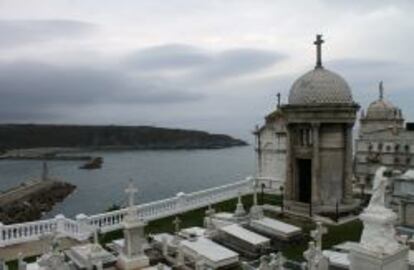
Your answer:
<point x="320" y="86"/>
<point x="382" y="109"/>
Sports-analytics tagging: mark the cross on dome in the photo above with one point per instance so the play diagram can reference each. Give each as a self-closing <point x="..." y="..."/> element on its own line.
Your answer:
<point x="278" y="100"/>
<point x="318" y="42"/>
<point x="381" y="90"/>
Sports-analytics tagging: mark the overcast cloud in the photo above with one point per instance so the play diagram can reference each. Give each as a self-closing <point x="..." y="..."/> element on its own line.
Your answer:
<point x="211" y="65"/>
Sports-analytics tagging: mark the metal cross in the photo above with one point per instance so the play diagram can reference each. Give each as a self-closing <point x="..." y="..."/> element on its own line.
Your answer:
<point x="319" y="41"/>
<point x="130" y="191"/>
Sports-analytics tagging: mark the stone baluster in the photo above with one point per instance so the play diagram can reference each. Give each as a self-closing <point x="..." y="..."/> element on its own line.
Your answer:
<point x="181" y="200"/>
<point x="60" y="223"/>
<point x="84" y="226"/>
<point x="2" y="235"/>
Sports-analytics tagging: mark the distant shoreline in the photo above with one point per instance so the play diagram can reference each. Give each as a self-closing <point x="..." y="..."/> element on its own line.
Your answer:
<point x="73" y="154"/>
<point x="65" y="142"/>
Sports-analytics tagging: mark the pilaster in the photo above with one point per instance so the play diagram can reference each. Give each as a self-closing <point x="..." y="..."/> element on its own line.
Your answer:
<point x="316" y="198"/>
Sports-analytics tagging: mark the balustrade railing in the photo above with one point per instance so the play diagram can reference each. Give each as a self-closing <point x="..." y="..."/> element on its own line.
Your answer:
<point x="82" y="227"/>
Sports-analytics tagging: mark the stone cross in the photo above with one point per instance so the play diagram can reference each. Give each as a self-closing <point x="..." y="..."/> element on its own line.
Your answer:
<point x="130" y="191"/>
<point x="96" y="247"/>
<point x="180" y="257"/>
<point x="381" y="90"/>
<point x="278" y="100"/>
<point x="199" y="263"/>
<point x="318" y="233"/>
<point x="99" y="265"/>
<point x="318" y="42"/>
<point x="164" y="246"/>
<point x="177" y="222"/>
<point x="210" y="211"/>
<point x="20" y="263"/>
<point x="311" y="255"/>
<point x="264" y="263"/>
<point x="45" y="172"/>
<point x="255" y="192"/>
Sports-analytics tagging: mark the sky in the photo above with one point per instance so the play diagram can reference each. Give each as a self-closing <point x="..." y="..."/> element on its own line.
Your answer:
<point x="206" y="65"/>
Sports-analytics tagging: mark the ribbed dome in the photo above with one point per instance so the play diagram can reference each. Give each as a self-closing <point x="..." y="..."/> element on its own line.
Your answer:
<point x="320" y="86"/>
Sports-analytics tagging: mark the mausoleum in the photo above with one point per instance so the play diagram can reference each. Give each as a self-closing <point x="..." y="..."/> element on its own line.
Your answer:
<point x="319" y="116"/>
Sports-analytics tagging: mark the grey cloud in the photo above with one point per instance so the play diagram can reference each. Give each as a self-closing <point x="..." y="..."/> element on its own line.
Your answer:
<point x="29" y="89"/>
<point x="172" y="56"/>
<point x="201" y="64"/>
<point x="239" y="62"/>
<point x="364" y="75"/>
<point x="23" y="32"/>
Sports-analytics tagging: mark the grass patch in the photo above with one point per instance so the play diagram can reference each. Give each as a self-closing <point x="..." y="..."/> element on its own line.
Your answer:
<point x="194" y="217"/>
<point x="337" y="234"/>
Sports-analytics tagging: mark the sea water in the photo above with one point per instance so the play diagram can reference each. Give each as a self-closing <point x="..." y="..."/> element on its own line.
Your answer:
<point x="157" y="175"/>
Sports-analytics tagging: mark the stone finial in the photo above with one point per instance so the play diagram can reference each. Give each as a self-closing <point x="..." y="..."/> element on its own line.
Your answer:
<point x="164" y="245"/>
<point x="130" y="191"/>
<point x="318" y="42"/>
<point x="177" y="223"/>
<point x="45" y="172"/>
<point x="240" y="211"/>
<point x="278" y="100"/>
<point x="381" y="90"/>
<point x="318" y="233"/>
<point x="180" y="256"/>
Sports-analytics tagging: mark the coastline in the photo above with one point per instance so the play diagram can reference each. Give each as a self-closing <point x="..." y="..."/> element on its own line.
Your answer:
<point x="73" y="154"/>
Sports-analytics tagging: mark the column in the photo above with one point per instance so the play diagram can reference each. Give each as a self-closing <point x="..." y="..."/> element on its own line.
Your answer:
<point x="347" y="185"/>
<point x="289" y="174"/>
<point x="316" y="198"/>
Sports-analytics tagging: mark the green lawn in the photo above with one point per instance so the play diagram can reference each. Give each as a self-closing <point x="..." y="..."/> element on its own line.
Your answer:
<point x="195" y="217"/>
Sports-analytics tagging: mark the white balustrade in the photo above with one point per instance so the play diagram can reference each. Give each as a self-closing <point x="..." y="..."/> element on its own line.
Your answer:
<point x="83" y="226"/>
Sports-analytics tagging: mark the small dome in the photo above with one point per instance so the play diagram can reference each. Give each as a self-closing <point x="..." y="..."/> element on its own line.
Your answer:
<point x="320" y="86"/>
<point x="382" y="109"/>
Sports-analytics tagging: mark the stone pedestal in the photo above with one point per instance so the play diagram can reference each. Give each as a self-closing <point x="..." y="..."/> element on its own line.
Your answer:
<point x="132" y="256"/>
<point x="379" y="233"/>
<point x="378" y="248"/>
<point x="364" y="259"/>
<point x="134" y="263"/>
<point x="256" y="212"/>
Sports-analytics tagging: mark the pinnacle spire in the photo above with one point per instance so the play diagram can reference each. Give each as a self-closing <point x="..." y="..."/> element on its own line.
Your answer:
<point x="318" y="42"/>
<point x="381" y="90"/>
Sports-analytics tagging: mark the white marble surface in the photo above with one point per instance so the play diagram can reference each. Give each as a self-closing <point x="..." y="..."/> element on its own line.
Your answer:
<point x="337" y="258"/>
<point x="159" y="237"/>
<point x="238" y="231"/>
<point x="276" y="227"/>
<point x="345" y="246"/>
<point x="209" y="250"/>
<point x="32" y="266"/>
<point x="192" y="231"/>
